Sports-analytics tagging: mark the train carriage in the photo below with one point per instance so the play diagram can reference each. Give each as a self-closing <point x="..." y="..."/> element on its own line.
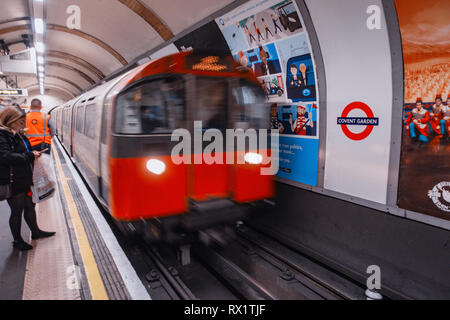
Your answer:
<point x="120" y="136"/>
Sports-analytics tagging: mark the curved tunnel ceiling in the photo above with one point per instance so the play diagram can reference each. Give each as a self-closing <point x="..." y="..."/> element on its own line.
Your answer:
<point x="112" y="34"/>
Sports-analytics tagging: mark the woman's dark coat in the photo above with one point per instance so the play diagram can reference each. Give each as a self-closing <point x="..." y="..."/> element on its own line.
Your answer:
<point x="13" y="153"/>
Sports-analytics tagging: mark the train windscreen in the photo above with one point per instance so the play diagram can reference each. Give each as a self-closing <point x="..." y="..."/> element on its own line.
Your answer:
<point x="211" y="104"/>
<point x="154" y="107"/>
<point x="247" y="108"/>
<point x="159" y="106"/>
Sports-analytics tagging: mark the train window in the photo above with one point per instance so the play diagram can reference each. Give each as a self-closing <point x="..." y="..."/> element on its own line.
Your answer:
<point x="153" y="107"/>
<point x="248" y="106"/>
<point x="89" y="123"/>
<point x="80" y="120"/>
<point x="211" y="102"/>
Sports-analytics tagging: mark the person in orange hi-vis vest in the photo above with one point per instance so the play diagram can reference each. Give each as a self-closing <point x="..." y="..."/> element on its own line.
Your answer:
<point x="39" y="128"/>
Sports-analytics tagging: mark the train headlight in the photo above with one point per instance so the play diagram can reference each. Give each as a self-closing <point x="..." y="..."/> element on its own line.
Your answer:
<point x="156" y="166"/>
<point x="253" y="158"/>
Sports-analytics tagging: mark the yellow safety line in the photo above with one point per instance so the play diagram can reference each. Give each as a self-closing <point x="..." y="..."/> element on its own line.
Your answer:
<point x="98" y="291"/>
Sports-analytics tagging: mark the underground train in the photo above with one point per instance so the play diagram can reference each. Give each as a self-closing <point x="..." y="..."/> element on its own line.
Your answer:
<point x="119" y="136"/>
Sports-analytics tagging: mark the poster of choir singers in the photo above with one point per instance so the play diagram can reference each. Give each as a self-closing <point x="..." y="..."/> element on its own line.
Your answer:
<point x="424" y="181"/>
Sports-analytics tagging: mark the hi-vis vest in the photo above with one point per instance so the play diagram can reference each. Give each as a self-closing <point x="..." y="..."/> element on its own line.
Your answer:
<point x="38" y="131"/>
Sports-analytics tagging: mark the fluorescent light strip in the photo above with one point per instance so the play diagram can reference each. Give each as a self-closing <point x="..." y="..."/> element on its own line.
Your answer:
<point x="40" y="47"/>
<point x="39" y="26"/>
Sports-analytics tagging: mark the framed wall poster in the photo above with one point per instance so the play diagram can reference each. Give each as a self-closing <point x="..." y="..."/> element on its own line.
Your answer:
<point x="424" y="180"/>
<point x="269" y="37"/>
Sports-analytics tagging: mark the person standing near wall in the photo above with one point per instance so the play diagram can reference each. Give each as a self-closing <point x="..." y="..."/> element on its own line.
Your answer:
<point x="40" y="128"/>
<point x="16" y="168"/>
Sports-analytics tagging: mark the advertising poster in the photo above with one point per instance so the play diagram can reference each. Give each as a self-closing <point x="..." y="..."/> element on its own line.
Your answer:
<point x="268" y="37"/>
<point x="424" y="184"/>
<point x="208" y="37"/>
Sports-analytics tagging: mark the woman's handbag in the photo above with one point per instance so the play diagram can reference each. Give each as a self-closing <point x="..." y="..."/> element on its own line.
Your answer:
<point x="5" y="190"/>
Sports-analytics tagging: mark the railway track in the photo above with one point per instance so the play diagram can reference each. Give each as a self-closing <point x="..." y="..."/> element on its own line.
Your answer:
<point x="250" y="266"/>
<point x="262" y="268"/>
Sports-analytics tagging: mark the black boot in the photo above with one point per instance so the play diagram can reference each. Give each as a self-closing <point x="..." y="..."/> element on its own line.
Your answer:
<point x="22" y="246"/>
<point x="42" y="234"/>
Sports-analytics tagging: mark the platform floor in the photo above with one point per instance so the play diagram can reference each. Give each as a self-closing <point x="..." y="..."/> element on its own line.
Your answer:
<point x="12" y="262"/>
<point x="83" y="261"/>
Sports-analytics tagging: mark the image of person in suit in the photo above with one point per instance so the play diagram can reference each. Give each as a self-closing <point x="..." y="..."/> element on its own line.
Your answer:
<point x="302" y="69"/>
<point x="298" y="77"/>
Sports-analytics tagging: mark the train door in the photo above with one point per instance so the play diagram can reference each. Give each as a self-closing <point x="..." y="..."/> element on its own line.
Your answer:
<point x="66" y="130"/>
<point x="71" y="127"/>
<point x="60" y="124"/>
<point x="104" y="181"/>
<point x="78" y="131"/>
<point x="145" y="181"/>
<point x="207" y="106"/>
<point x="90" y="143"/>
<point x="105" y="106"/>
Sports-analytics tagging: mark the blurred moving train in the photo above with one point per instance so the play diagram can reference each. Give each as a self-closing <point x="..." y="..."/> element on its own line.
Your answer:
<point x="119" y="136"/>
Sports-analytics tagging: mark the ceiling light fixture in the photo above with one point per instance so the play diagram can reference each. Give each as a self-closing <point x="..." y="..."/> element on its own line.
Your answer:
<point x="40" y="47"/>
<point x="39" y="26"/>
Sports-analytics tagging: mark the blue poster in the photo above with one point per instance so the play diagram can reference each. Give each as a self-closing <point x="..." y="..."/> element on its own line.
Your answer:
<point x="298" y="119"/>
<point x="268" y="37"/>
<point x="262" y="60"/>
<point x="298" y="68"/>
<point x="298" y="159"/>
<point x="299" y="144"/>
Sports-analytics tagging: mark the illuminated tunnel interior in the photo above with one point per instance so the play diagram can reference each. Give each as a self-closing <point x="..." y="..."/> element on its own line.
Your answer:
<point x="347" y="100"/>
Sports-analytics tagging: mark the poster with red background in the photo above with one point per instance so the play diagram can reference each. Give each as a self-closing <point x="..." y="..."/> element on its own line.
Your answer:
<point x="424" y="182"/>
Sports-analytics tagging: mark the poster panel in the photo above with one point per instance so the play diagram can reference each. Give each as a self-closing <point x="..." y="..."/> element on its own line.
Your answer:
<point x="208" y="38"/>
<point x="268" y="37"/>
<point x="424" y="181"/>
<point x="358" y="71"/>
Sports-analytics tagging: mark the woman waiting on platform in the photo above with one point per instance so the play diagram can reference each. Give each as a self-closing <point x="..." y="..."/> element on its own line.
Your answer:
<point x="17" y="158"/>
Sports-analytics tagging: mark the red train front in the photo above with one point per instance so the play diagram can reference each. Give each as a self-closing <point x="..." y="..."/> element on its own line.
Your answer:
<point x="183" y="104"/>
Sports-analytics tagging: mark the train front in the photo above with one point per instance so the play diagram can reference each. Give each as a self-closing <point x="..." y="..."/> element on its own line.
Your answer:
<point x="190" y="145"/>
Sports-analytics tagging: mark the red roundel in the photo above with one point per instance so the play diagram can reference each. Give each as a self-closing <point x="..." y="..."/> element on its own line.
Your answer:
<point x="34" y="121"/>
<point x="366" y="109"/>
